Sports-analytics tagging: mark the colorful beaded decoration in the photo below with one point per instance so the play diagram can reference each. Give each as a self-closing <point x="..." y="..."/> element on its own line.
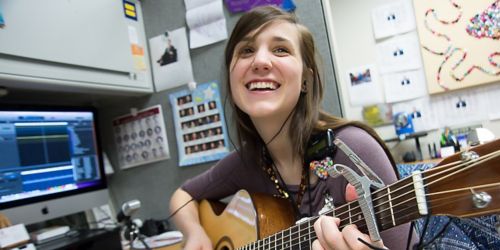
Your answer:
<point x="427" y="26"/>
<point x="320" y="168"/>
<point x="484" y="25"/>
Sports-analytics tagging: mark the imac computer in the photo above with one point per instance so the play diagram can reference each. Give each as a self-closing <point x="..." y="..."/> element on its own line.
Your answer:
<point x="50" y="163"/>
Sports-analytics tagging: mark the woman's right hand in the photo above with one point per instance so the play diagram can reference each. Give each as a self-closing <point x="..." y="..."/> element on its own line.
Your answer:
<point x="197" y="239"/>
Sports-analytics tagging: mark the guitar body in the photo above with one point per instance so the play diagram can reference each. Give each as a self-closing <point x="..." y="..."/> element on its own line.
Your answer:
<point x="245" y="219"/>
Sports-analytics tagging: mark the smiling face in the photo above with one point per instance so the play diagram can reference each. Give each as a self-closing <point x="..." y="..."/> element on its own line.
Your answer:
<point x="266" y="71"/>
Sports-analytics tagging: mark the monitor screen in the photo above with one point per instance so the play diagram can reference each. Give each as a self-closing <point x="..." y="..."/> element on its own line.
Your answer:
<point x="46" y="155"/>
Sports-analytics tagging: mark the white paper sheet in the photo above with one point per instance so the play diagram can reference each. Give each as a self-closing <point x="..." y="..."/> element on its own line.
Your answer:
<point x="206" y="22"/>
<point x="364" y="86"/>
<point x="459" y="108"/>
<point x="399" y="53"/>
<point x="492" y="95"/>
<point x="392" y="19"/>
<point x="172" y="72"/>
<point x="423" y="117"/>
<point x="404" y="85"/>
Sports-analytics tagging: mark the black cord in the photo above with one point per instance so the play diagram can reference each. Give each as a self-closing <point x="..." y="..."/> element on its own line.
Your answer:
<point x="426" y="224"/>
<point x="141" y="239"/>
<point x="309" y="191"/>
<point x="178" y="209"/>
<point x="370" y="245"/>
<point x="237" y="151"/>
<point x="281" y="128"/>
<point x="410" y="233"/>
<point x="214" y="184"/>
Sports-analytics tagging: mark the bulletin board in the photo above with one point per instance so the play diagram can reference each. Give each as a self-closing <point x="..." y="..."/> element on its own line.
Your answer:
<point x="459" y="42"/>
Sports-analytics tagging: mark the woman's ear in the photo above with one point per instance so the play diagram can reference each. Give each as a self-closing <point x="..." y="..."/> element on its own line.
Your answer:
<point x="308" y="79"/>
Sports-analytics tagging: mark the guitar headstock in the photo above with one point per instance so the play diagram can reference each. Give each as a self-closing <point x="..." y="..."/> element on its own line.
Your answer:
<point x="452" y="184"/>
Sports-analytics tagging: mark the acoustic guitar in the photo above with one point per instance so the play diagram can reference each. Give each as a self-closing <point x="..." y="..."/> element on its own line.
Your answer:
<point x="257" y="221"/>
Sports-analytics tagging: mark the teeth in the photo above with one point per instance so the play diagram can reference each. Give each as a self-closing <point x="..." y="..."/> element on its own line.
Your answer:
<point x="262" y="85"/>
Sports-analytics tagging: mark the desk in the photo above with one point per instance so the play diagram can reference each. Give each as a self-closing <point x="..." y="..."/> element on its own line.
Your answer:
<point x="415" y="136"/>
<point x="86" y="239"/>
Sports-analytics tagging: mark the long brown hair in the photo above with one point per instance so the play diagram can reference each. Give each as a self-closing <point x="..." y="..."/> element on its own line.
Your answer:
<point x="306" y="117"/>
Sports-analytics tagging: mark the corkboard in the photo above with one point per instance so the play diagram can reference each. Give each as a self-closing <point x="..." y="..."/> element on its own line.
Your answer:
<point x="451" y="20"/>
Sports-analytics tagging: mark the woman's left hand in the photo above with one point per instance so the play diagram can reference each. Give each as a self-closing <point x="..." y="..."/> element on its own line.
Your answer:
<point x="330" y="237"/>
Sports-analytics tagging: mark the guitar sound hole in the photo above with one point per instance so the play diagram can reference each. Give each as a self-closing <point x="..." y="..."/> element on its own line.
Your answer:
<point x="224" y="244"/>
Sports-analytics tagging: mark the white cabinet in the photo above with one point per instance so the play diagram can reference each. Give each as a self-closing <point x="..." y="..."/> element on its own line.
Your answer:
<point x="73" y="45"/>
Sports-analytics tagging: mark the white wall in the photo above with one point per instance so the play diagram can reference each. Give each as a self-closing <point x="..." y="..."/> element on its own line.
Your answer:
<point x="353" y="45"/>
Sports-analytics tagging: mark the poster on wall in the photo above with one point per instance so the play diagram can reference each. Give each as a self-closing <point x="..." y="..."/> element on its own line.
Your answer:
<point x="171" y="60"/>
<point x="364" y="87"/>
<point x="140" y="138"/>
<point x="459" y="43"/>
<point x="399" y="53"/>
<point x="200" y="127"/>
<point x="206" y="22"/>
<point x="392" y="19"/>
<point x="403" y="86"/>
<point x="460" y="107"/>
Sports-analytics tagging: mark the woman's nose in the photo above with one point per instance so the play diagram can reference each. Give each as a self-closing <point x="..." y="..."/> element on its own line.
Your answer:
<point x="262" y="61"/>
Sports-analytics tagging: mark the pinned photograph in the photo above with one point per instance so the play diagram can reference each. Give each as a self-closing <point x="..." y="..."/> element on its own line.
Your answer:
<point x="364" y="86"/>
<point x="170" y="54"/>
<point x="360" y="77"/>
<point x="171" y="59"/>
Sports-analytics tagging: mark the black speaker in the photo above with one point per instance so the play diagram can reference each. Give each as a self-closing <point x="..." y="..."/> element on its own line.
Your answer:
<point x="154" y="227"/>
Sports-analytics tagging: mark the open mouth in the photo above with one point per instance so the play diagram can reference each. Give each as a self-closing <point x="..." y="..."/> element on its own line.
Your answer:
<point x="262" y="86"/>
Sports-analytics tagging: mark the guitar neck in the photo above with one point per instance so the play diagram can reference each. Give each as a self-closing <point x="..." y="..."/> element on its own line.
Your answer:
<point x="446" y="189"/>
<point x="393" y="205"/>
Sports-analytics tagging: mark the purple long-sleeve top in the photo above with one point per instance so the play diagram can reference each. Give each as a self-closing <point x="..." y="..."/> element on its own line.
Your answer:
<point x="232" y="174"/>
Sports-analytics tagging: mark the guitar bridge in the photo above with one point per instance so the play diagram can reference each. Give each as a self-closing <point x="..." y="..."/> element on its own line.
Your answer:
<point x="328" y="207"/>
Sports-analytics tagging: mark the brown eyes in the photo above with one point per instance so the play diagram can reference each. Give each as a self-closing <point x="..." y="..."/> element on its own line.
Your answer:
<point x="281" y="51"/>
<point x="248" y="51"/>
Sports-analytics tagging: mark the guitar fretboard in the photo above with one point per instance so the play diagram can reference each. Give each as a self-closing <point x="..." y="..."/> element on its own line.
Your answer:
<point x="392" y="205"/>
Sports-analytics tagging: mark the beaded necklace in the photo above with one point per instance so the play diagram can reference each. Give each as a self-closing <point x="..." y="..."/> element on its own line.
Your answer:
<point x="268" y="167"/>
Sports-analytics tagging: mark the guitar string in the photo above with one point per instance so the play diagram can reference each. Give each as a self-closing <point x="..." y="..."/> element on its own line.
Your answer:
<point x="459" y="166"/>
<point x="454" y="163"/>
<point x="307" y="228"/>
<point x="465" y="189"/>
<point x="312" y="236"/>
<point x="448" y="169"/>
<point x="484" y="158"/>
<point x="314" y="218"/>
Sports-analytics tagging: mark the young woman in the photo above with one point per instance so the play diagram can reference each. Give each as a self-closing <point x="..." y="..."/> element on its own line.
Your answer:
<point x="275" y="90"/>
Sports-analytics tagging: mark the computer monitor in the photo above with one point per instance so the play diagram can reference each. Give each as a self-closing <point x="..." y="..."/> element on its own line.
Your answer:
<point x="50" y="163"/>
